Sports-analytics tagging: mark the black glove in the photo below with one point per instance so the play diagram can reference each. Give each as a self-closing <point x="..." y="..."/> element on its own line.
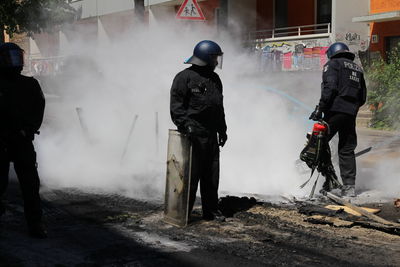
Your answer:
<point x="190" y="132"/>
<point x="222" y="137"/>
<point x="316" y="115"/>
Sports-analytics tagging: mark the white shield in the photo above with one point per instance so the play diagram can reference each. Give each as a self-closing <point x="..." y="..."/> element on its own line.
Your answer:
<point x="179" y="161"/>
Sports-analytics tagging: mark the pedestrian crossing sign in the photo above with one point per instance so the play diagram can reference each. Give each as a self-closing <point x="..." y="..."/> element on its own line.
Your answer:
<point x="190" y="10"/>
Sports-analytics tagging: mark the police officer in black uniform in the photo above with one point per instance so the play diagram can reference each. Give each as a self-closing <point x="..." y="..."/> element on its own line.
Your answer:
<point x="343" y="92"/>
<point x="197" y="110"/>
<point x="21" y="114"/>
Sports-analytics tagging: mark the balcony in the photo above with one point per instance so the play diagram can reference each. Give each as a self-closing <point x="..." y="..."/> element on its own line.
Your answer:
<point x="290" y="33"/>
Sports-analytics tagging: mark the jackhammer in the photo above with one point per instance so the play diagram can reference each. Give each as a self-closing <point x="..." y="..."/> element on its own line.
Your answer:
<point x="317" y="155"/>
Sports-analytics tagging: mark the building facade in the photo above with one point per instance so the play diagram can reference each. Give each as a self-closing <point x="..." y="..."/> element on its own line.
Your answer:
<point x="287" y="34"/>
<point x="294" y="35"/>
<point x="383" y="19"/>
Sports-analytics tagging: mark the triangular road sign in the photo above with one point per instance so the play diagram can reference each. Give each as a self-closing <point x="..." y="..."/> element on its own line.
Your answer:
<point x="190" y="10"/>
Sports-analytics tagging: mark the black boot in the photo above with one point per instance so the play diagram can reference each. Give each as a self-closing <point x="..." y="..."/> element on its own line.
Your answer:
<point x="216" y="215"/>
<point x="37" y="230"/>
<point x="348" y="191"/>
<point x="219" y="217"/>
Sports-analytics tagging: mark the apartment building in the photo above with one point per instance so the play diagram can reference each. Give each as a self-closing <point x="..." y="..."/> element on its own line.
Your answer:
<point x="294" y="35"/>
<point x="288" y="34"/>
<point x="383" y="19"/>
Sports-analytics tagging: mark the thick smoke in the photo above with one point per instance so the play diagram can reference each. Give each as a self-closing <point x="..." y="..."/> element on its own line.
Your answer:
<point x="109" y="84"/>
<point x="385" y="177"/>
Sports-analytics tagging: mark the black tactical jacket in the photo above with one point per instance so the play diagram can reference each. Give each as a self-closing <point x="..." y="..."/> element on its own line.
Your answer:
<point x="21" y="105"/>
<point x="343" y="87"/>
<point x="197" y="101"/>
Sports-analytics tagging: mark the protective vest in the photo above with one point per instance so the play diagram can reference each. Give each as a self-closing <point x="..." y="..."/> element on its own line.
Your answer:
<point x="197" y="101"/>
<point x="343" y="87"/>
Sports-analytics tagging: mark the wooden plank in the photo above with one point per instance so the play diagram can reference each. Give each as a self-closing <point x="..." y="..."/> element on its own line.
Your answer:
<point x="318" y="219"/>
<point x="351" y="211"/>
<point x="379" y="226"/>
<point x="360" y="210"/>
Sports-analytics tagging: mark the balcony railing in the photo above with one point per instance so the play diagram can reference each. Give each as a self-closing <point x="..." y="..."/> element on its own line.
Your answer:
<point x="297" y="31"/>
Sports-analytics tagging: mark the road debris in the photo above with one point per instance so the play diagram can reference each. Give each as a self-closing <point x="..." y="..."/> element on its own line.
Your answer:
<point x="397" y="203"/>
<point x="91" y="228"/>
<point x="351" y="211"/>
<point x="360" y="210"/>
<point x="229" y="205"/>
<point x="318" y="219"/>
<point x="310" y="210"/>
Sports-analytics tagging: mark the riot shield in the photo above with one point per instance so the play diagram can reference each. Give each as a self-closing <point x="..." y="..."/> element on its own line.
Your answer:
<point x="179" y="161"/>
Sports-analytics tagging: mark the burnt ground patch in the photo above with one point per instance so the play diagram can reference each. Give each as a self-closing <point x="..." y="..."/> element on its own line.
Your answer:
<point x="90" y="228"/>
<point x="229" y="205"/>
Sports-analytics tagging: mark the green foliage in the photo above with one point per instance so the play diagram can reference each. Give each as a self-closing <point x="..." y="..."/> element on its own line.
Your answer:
<point x="384" y="91"/>
<point x="34" y="16"/>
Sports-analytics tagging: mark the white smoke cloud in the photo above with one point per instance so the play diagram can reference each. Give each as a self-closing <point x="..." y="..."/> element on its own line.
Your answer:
<point x="386" y="177"/>
<point x="132" y="76"/>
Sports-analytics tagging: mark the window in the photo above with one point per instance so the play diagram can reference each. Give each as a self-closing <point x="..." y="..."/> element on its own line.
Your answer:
<point x="281" y="13"/>
<point x="324" y="11"/>
<point x="392" y="45"/>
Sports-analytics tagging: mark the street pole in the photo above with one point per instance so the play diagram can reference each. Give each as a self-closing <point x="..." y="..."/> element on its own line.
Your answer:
<point x="139" y="10"/>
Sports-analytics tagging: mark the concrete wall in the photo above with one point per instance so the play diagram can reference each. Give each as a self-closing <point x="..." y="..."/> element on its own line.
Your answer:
<point x="161" y="14"/>
<point x="163" y="2"/>
<point x="100" y="22"/>
<point x="356" y="35"/>
<point x="93" y="8"/>
<point x="44" y="44"/>
<point x="242" y="16"/>
<point x="379" y="6"/>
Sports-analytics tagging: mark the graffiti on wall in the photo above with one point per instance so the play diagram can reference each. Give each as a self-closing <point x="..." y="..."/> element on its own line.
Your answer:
<point x="305" y="54"/>
<point x="354" y="40"/>
<point x="293" y="55"/>
<point x="45" y="66"/>
<point x="353" y="37"/>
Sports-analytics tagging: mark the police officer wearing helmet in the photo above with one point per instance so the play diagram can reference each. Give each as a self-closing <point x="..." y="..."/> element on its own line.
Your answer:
<point x="21" y="114"/>
<point x="197" y="110"/>
<point x="343" y="92"/>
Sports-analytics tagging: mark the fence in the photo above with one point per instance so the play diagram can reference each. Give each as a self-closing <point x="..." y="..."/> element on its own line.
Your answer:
<point x="299" y="31"/>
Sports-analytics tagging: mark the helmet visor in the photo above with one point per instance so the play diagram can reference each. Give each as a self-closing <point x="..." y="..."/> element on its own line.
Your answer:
<point x="17" y="58"/>
<point x="217" y="60"/>
<point x="12" y="58"/>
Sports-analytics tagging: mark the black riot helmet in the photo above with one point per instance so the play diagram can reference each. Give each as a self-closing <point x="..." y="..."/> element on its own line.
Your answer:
<point x="11" y="56"/>
<point x="206" y="53"/>
<point x="339" y="49"/>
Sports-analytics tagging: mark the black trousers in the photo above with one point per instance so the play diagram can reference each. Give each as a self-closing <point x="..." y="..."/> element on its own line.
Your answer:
<point x="205" y="168"/>
<point x="21" y="152"/>
<point x="345" y="125"/>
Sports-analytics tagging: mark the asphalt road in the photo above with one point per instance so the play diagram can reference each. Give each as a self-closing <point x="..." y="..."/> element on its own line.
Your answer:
<point x="88" y="228"/>
<point x="92" y="228"/>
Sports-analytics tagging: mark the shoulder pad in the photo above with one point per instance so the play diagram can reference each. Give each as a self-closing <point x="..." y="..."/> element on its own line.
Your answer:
<point x="331" y="64"/>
